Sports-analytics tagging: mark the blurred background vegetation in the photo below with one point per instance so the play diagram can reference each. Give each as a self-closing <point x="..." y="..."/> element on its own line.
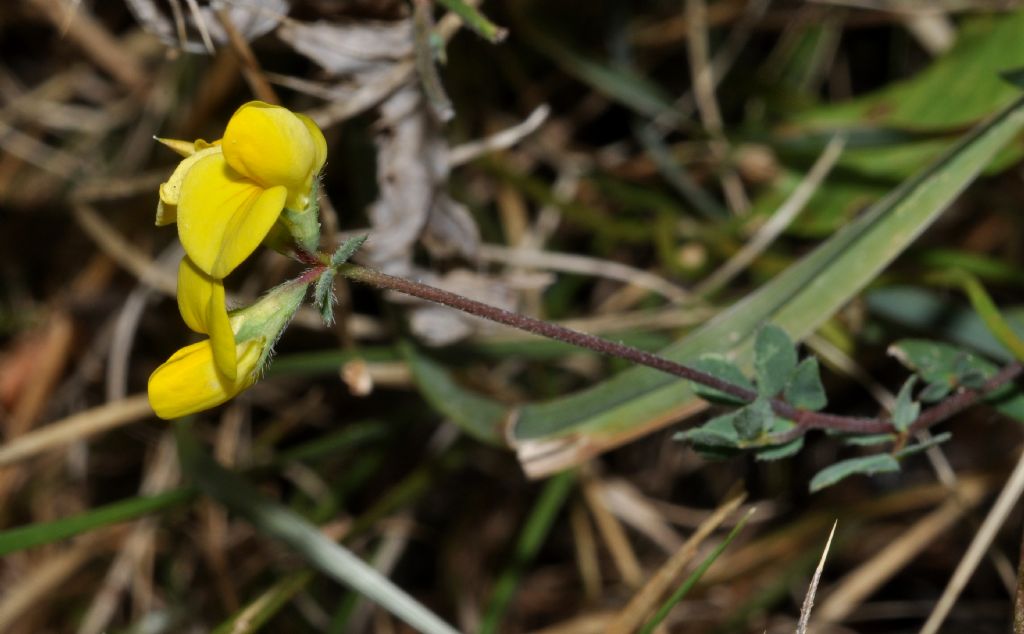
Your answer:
<point x="630" y="169"/>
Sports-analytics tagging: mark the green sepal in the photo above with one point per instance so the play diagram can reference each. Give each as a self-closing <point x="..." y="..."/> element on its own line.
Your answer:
<point x="347" y="250"/>
<point x="297" y="229"/>
<point x="323" y="295"/>
<point x="268" y="317"/>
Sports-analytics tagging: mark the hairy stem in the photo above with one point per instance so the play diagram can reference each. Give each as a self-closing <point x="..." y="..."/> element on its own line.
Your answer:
<point x="805" y="419"/>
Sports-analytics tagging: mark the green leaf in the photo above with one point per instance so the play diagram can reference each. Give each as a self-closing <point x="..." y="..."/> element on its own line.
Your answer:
<point x="918" y="448"/>
<point x="323" y="296"/>
<point x="722" y="368"/>
<point x="867" y="465"/>
<point x="906" y="409"/>
<point x="934" y="392"/>
<point x="347" y="249"/>
<point x="774" y="359"/>
<point x="476" y="20"/>
<point x="478" y="416"/>
<point x="804" y="389"/>
<point x="753" y="420"/>
<point x="717" y="432"/>
<point x="958" y="89"/>
<point x="868" y="440"/>
<point x="778" y="452"/>
<point x="301" y="536"/>
<point x="938" y="362"/>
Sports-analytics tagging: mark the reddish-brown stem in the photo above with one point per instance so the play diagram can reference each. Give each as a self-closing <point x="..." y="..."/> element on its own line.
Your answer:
<point x="805" y="419"/>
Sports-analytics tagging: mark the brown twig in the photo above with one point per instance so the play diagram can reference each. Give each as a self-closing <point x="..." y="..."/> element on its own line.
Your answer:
<point x="805" y="420"/>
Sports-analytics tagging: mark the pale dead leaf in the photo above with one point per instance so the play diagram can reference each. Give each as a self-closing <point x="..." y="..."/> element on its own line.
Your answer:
<point x="348" y="49"/>
<point x="252" y="18"/>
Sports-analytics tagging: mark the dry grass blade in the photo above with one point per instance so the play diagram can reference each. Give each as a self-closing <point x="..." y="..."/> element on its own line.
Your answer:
<point x="995" y="519"/>
<point x="863" y="581"/>
<point x="781" y="219"/>
<point x="805" y="609"/>
<point x="95" y="40"/>
<point x="707" y="104"/>
<point x="612" y="533"/>
<point x="640" y="606"/>
<point x="76" y="427"/>
<point x="501" y="141"/>
<point x="46" y="577"/>
<point x="122" y="251"/>
<point x="571" y="263"/>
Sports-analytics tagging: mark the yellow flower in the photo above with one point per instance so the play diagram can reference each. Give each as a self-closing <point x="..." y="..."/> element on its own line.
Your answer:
<point x="227" y="195"/>
<point x="190" y="382"/>
<point x="202" y="305"/>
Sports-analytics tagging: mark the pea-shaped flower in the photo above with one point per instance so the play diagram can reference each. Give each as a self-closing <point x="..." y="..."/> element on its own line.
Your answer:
<point x="226" y="196"/>
<point x="215" y="370"/>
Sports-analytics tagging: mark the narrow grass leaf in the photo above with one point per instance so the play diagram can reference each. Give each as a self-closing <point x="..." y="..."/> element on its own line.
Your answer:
<point x="534" y="532"/>
<point x="694" y="577"/>
<point x="476" y="20"/>
<point x="23" y="537"/>
<point x="254" y="616"/>
<point x="303" y="537"/>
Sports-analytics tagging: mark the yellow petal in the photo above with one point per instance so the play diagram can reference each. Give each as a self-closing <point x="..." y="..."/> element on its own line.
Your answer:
<point x="222" y="216"/>
<point x="170" y="191"/>
<point x="202" y="305"/>
<point x="319" y="142"/>
<point x="189" y="382"/>
<point x="272" y="146"/>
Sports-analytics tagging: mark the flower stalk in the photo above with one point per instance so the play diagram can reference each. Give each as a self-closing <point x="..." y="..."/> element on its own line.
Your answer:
<point x="805" y="420"/>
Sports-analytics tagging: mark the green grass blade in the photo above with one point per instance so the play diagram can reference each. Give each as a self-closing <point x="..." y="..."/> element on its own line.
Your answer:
<point x="23" y="537"/>
<point x="303" y="537"/>
<point x="694" y="577"/>
<point x="476" y="20"/>
<point x="253" y="616"/>
<point x="536" y="529"/>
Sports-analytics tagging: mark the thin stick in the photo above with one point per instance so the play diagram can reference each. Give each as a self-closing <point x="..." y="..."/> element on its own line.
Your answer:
<point x="250" y="66"/>
<point x="979" y="545"/>
<point x="76" y="427"/>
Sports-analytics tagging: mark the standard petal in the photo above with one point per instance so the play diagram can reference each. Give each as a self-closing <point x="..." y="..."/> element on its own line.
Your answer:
<point x="202" y="305"/>
<point x="270" y="145"/>
<point x="222" y="216"/>
<point x="170" y="192"/>
<point x="189" y="382"/>
<point x="319" y="142"/>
